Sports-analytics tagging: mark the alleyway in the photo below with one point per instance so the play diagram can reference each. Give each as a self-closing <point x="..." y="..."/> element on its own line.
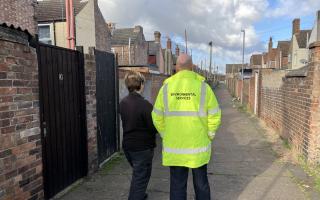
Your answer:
<point x="244" y="166"/>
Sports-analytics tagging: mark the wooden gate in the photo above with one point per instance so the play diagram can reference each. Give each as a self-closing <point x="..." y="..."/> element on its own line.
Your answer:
<point x="63" y="122"/>
<point x="107" y="102"/>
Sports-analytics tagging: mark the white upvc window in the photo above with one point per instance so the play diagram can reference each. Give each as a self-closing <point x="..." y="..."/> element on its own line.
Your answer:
<point x="46" y="33"/>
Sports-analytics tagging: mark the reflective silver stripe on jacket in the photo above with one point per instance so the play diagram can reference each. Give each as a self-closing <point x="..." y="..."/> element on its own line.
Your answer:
<point x="214" y="111"/>
<point x="200" y="113"/>
<point x="211" y="134"/>
<point x="187" y="151"/>
<point x="158" y="112"/>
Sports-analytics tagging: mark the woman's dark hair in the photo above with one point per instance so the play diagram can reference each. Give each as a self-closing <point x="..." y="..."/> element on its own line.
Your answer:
<point x="134" y="80"/>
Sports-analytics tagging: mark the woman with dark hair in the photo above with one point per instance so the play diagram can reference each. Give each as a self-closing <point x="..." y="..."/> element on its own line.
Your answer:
<point x="139" y="134"/>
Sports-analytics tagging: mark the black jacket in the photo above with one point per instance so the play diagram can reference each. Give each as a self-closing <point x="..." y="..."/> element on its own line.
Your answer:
<point x="139" y="133"/>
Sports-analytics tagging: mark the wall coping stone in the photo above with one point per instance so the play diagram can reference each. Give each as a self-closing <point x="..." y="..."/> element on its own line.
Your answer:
<point x="301" y="72"/>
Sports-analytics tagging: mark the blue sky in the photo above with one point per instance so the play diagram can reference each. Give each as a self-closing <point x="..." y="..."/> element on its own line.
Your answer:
<point x="219" y="21"/>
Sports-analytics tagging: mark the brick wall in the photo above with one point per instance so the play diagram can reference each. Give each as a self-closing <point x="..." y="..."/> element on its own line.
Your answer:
<point x="246" y="91"/>
<point x="232" y="85"/>
<point x="103" y="35"/>
<point x="314" y="143"/>
<point x="288" y="101"/>
<point x="286" y="106"/>
<point x="20" y="145"/>
<point x="251" y="94"/>
<point x="20" y="13"/>
<point x="153" y="84"/>
<point x="122" y="53"/>
<point x="91" y="102"/>
<point x="138" y="52"/>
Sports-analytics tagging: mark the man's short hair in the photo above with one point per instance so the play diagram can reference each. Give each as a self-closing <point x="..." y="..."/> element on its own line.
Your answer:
<point x="184" y="61"/>
<point x="134" y="80"/>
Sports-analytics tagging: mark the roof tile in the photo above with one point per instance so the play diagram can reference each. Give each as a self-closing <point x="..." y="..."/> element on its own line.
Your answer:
<point x="121" y="36"/>
<point x="54" y="10"/>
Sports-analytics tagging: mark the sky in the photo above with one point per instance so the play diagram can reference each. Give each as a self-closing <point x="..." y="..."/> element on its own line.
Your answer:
<point x="219" y="21"/>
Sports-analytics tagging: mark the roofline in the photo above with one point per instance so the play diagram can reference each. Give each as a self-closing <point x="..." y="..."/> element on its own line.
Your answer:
<point x="57" y="20"/>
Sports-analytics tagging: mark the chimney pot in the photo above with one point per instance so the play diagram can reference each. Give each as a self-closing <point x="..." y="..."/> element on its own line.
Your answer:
<point x="169" y="44"/>
<point x="177" y="51"/>
<point x="270" y="45"/>
<point x="295" y="26"/>
<point x="157" y="36"/>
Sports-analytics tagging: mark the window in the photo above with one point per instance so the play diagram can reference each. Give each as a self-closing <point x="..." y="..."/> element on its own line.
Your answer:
<point x="45" y="34"/>
<point x="289" y="58"/>
<point x="152" y="60"/>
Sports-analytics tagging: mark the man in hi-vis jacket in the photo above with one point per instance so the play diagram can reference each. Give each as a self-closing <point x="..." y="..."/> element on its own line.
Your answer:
<point x="187" y="116"/>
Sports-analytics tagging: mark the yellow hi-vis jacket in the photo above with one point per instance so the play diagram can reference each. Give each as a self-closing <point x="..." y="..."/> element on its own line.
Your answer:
<point x="187" y="115"/>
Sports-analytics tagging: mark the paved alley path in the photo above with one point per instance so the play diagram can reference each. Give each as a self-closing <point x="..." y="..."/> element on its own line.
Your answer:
<point x="244" y="167"/>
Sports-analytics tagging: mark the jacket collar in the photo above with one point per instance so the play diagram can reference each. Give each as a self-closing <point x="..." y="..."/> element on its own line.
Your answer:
<point x="185" y="74"/>
<point x="136" y="94"/>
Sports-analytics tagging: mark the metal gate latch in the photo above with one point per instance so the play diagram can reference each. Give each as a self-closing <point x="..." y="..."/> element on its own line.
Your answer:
<point x="61" y="77"/>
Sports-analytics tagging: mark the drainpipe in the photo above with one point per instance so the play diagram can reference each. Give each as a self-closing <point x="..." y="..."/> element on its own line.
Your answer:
<point x="54" y="33"/>
<point x="72" y="31"/>
<point x="68" y="23"/>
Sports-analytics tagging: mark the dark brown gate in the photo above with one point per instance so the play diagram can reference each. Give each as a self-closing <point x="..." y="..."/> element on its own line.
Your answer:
<point x="107" y="102"/>
<point x="63" y="123"/>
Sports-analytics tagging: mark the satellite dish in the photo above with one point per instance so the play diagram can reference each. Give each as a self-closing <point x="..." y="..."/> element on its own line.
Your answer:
<point x="304" y="61"/>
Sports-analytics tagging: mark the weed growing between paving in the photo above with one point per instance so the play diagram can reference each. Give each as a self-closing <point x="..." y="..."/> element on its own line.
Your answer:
<point x="313" y="171"/>
<point x="114" y="161"/>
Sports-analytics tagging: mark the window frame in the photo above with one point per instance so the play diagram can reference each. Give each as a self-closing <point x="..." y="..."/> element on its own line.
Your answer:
<point x="51" y="32"/>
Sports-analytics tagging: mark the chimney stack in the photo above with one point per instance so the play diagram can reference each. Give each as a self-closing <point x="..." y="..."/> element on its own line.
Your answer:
<point x="177" y="51"/>
<point x="169" y="44"/>
<point x="270" y="45"/>
<point x="295" y="26"/>
<point x="138" y="29"/>
<point x="157" y="37"/>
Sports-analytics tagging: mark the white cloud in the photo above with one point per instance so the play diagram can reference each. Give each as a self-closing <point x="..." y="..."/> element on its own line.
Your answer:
<point x="294" y="8"/>
<point x="219" y="21"/>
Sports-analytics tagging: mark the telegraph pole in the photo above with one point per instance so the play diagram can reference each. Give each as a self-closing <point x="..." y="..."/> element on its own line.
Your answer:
<point x="242" y="76"/>
<point x="186" y="39"/>
<point x="210" y="66"/>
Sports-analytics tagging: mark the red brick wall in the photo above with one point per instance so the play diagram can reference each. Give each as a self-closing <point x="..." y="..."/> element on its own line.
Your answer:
<point x="239" y="88"/>
<point x="246" y="91"/>
<point x="288" y="105"/>
<point x="232" y="86"/>
<point x="314" y="143"/>
<point x="251" y="96"/>
<point x="20" y="140"/>
<point x="20" y="13"/>
<point x="91" y="102"/>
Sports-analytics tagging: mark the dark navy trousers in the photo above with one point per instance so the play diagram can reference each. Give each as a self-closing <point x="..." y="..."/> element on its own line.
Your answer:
<point x="179" y="179"/>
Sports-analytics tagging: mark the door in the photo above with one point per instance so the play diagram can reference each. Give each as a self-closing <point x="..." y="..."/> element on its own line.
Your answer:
<point x="107" y="102"/>
<point x="63" y="123"/>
